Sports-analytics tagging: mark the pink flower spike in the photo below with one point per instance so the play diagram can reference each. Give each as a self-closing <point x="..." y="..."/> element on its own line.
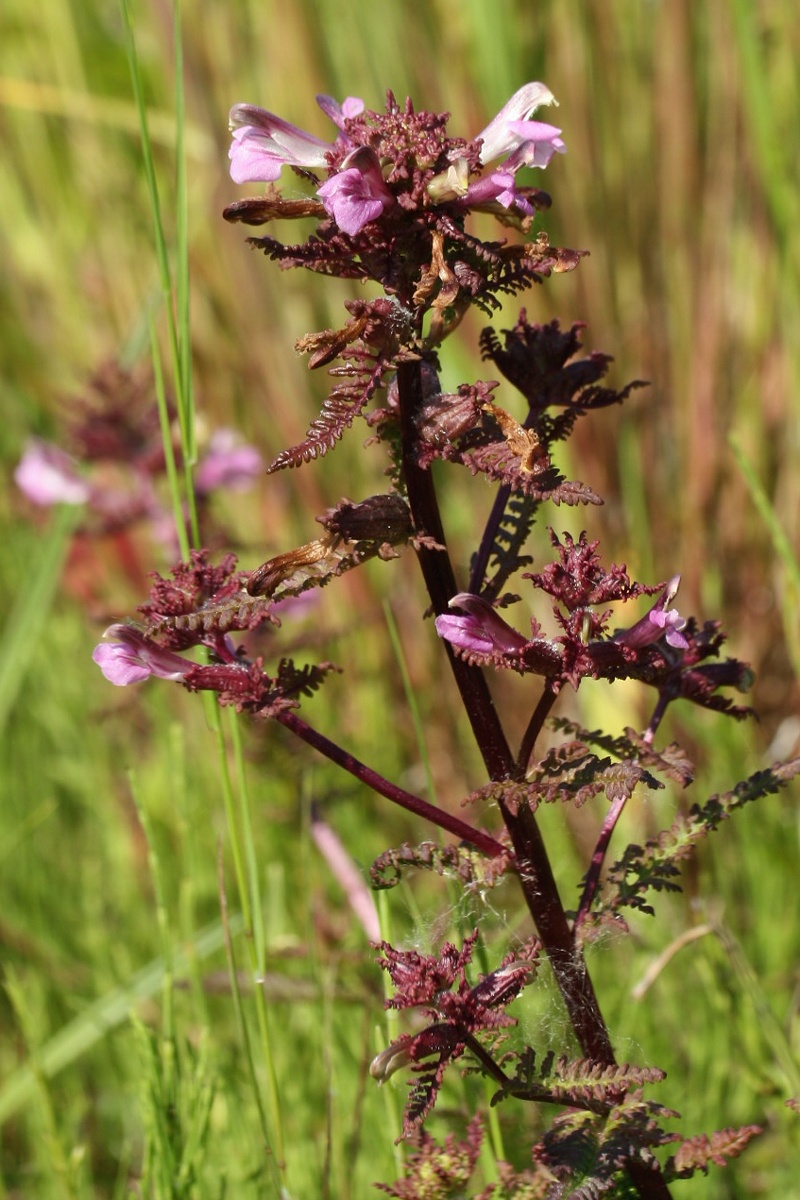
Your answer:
<point x="263" y="143"/>
<point x="357" y="194"/>
<point x="498" y="137"/>
<point x="229" y="463"/>
<point x="131" y="658"/>
<point x="657" y="623"/>
<point x="482" y="631"/>
<point x="46" y="475"/>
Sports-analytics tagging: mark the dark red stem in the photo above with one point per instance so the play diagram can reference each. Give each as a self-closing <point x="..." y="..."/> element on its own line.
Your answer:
<point x="437" y="816"/>
<point x="596" y="865"/>
<point x="532" y="861"/>
<point x="546" y="702"/>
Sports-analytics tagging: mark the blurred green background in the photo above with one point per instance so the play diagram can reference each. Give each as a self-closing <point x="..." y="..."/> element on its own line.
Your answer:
<point x="681" y="180"/>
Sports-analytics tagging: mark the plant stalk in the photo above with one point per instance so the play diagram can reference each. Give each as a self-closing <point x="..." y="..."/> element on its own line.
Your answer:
<point x="533" y="864"/>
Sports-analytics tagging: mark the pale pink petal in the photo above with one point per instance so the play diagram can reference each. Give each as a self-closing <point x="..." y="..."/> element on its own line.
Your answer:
<point x="344" y="870"/>
<point x="498" y="138"/>
<point x="130" y="657"/>
<point x="657" y="623"/>
<point x="229" y="463"/>
<point x="358" y="193"/>
<point x="339" y="113"/>
<point x="482" y="631"/>
<point x="46" y="475"/>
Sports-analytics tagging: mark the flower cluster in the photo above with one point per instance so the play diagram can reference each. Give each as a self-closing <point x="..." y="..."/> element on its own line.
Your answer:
<point x="365" y="177"/>
<point x="661" y="649"/>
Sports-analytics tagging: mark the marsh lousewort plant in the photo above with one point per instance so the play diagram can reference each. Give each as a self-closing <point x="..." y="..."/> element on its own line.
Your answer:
<point x="391" y="196"/>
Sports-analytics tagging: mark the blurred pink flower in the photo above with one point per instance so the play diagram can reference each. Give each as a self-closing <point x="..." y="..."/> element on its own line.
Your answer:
<point x="228" y="463"/>
<point x="345" y="871"/>
<point x="46" y="475"/>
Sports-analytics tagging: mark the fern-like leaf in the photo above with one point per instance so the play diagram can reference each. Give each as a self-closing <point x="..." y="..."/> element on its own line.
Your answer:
<point x="698" y="1153"/>
<point x="344" y="404"/>
<point x="655" y="865"/>
<point x="580" y="1083"/>
<point x="671" y="761"/>
<point x="588" y="1153"/>
<point x="506" y="555"/>
<point x="459" y="861"/>
<point x="570" y="772"/>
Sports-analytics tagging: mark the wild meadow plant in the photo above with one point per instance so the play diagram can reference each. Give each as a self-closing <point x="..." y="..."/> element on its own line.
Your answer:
<point x="392" y="194"/>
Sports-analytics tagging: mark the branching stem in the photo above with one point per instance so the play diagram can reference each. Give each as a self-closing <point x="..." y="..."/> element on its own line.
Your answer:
<point x="546" y="702"/>
<point x="437" y="816"/>
<point x="437" y="571"/>
<point x="533" y="864"/>
<point x="596" y="865"/>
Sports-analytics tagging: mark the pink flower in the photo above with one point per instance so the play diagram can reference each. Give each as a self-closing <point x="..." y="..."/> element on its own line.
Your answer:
<point x="497" y="188"/>
<point x="352" y="106"/>
<point x="538" y="143"/>
<point x="264" y="143"/>
<point x="357" y="194"/>
<point x="511" y="133"/>
<point x="482" y="631"/>
<point x="347" y="874"/>
<point x="512" y="127"/>
<point x="46" y="475"/>
<point x="658" y="622"/>
<point x="131" y="657"/>
<point x="229" y="463"/>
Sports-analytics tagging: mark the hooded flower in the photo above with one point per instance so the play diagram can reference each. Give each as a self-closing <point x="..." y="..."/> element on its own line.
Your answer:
<point x="357" y="194"/>
<point x="264" y="143"/>
<point x="131" y="658"/>
<point x="658" y="622"/>
<point x="512" y="134"/>
<point x="512" y="126"/>
<point x="498" y="188"/>
<point x="482" y="631"/>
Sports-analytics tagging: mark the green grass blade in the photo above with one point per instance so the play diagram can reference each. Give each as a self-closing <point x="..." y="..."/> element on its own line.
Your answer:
<point x="33" y="604"/>
<point x="166" y="439"/>
<point x="104" y="1015"/>
<point x="783" y="549"/>
<point x="411" y="699"/>
<point x="179" y="341"/>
